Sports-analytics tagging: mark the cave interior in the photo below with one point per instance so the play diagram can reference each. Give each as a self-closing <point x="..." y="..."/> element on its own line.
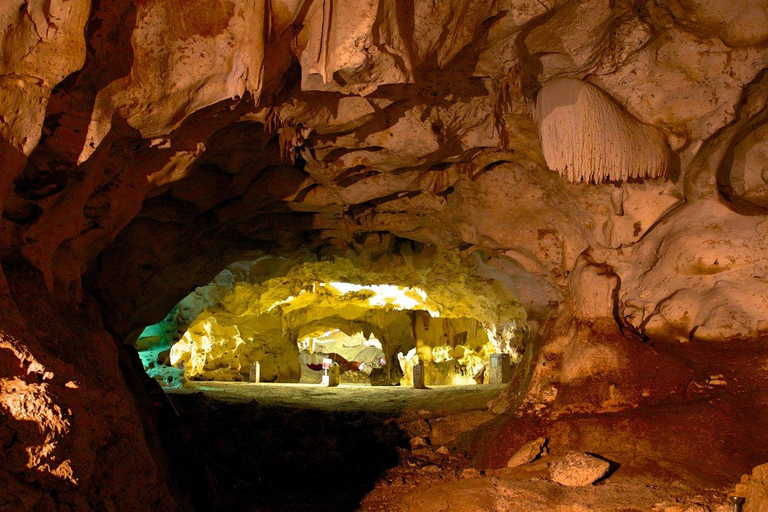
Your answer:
<point x="191" y="187"/>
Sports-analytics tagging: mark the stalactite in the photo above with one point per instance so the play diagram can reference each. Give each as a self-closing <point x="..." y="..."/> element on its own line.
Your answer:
<point x="585" y="136"/>
<point x="273" y="123"/>
<point x="291" y="138"/>
<point x="507" y="93"/>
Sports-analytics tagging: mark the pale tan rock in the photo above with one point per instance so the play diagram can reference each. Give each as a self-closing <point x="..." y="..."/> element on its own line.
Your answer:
<point x="583" y="25"/>
<point x="737" y="25"/>
<point x="754" y="488"/>
<point x="578" y="469"/>
<point x="471" y="473"/>
<point x="529" y="452"/>
<point x="166" y="83"/>
<point x="659" y="83"/>
<point x="691" y="293"/>
<point x="43" y="42"/>
<point x="748" y="177"/>
<point x="585" y="136"/>
<point x="341" y="54"/>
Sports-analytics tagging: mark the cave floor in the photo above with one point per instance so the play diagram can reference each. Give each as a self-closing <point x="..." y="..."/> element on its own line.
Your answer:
<point x="529" y="489"/>
<point x="349" y="397"/>
<point x="302" y="447"/>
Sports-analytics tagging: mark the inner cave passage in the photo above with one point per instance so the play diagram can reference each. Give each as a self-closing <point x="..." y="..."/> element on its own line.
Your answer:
<point x="376" y="324"/>
<point x="273" y="441"/>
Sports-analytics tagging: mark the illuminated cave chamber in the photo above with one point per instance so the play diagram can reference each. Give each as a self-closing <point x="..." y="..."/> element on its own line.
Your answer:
<point x="376" y="319"/>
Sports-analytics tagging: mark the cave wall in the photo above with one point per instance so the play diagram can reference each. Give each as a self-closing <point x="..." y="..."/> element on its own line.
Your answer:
<point x="147" y="145"/>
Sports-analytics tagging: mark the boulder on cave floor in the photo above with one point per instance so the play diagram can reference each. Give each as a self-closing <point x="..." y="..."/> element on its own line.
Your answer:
<point x="754" y="487"/>
<point x="529" y="452"/>
<point x="578" y="469"/>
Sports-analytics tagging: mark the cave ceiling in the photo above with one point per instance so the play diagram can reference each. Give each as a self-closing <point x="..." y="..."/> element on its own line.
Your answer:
<point x="180" y="137"/>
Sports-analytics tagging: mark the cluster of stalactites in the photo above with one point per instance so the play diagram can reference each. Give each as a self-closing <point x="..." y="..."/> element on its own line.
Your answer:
<point x="586" y="136"/>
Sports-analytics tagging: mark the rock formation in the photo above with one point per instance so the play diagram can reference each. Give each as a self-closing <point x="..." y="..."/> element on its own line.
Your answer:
<point x="146" y="146"/>
<point x="578" y="469"/>
<point x="587" y="137"/>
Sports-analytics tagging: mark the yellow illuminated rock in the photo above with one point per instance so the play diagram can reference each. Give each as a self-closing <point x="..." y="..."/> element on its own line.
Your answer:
<point x="453" y="319"/>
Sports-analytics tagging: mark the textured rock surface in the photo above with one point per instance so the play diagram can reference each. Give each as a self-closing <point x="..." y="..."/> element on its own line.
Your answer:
<point x="754" y="488"/>
<point x="147" y="145"/>
<point x="527" y="453"/>
<point x="587" y="137"/>
<point x="578" y="469"/>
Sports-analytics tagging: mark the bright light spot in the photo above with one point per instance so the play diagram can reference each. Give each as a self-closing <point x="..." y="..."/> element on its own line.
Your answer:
<point x="285" y="301"/>
<point x="345" y="288"/>
<point x="462" y="380"/>
<point x="440" y="354"/>
<point x="399" y="297"/>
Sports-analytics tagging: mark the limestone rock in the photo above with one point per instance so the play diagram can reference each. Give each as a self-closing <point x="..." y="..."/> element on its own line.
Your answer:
<point x="529" y="452"/>
<point x="748" y="177"/>
<point x="587" y="137"/>
<point x="42" y="44"/>
<point x="754" y="487"/>
<point x="643" y="84"/>
<point x="471" y="473"/>
<point x="690" y="293"/>
<point x="737" y="25"/>
<point x="578" y="469"/>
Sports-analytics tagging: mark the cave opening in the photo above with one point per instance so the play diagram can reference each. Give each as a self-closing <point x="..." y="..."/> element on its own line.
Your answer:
<point x="376" y="317"/>
<point x="282" y="318"/>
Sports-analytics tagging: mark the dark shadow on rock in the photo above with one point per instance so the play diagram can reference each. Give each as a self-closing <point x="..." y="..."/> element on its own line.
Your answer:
<point x="276" y="458"/>
<point x="614" y="466"/>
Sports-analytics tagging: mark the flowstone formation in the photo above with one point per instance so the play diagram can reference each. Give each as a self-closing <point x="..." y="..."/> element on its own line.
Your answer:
<point x="434" y="309"/>
<point x="604" y="161"/>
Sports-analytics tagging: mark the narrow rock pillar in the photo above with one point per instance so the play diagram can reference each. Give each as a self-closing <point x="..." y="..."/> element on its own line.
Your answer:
<point x="501" y="371"/>
<point x="254" y="375"/>
<point x="418" y="375"/>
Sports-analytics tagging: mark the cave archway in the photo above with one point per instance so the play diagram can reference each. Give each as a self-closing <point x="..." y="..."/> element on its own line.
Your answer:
<point x="440" y="313"/>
